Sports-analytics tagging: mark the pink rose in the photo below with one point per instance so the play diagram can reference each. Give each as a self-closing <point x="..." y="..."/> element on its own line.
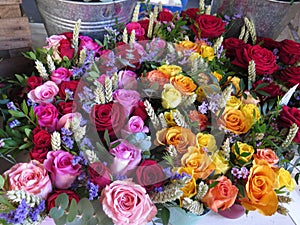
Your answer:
<point x="127" y="80"/>
<point x="47" y="116"/>
<point x="89" y="43"/>
<point x="66" y="120"/>
<point x="44" y="93"/>
<point x="54" y="40"/>
<point x="139" y="30"/>
<point x="129" y="99"/>
<point x="135" y="125"/>
<point x="31" y="177"/>
<point x="126" y="202"/>
<point x="61" y="74"/>
<point x="127" y="157"/>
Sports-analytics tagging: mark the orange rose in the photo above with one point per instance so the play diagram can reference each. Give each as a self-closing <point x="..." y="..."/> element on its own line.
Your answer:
<point x="221" y="196"/>
<point x="156" y="76"/>
<point x="202" y="119"/>
<point x="260" y="189"/>
<point x="184" y="84"/>
<point x="199" y="161"/>
<point x="188" y="45"/>
<point x="268" y="155"/>
<point x="235" y="121"/>
<point x="180" y="137"/>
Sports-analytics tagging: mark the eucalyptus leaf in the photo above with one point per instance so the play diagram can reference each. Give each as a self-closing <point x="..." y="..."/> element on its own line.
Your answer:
<point x="27" y="132"/>
<point x="56" y="213"/>
<point x="72" y="211"/>
<point x="86" y="208"/>
<point x="62" y="201"/>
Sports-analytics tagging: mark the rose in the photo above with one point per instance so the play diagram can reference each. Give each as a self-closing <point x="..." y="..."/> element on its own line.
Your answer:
<point x="207" y="26"/>
<point x="62" y="172"/>
<point x="250" y="99"/>
<point x="150" y="175"/>
<point x="284" y="179"/>
<point x="184" y="84"/>
<point x="89" y="44"/>
<point x="127" y="98"/>
<point x="207" y="142"/>
<point x="268" y="43"/>
<point x="66" y="87"/>
<point x="201" y="119"/>
<point x="127" y="157"/>
<point x="289" y="52"/>
<point x="272" y="89"/>
<point x="156" y="76"/>
<point x="207" y="52"/>
<point x="222" y="164"/>
<point x="30" y="177"/>
<point x="135" y="125"/>
<point x="265" y="60"/>
<point x="290" y="75"/>
<point x="127" y="80"/>
<point x="47" y="116"/>
<point x="38" y="154"/>
<point x="41" y="139"/>
<point x="260" y="189"/>
<point x="60" y="74"/>
<point x="231" y="44"/>
<point x="189" y="45"/>
<point x="288" y="116"/>
<point x="139" y="30"/>
<point x="235" y="81"/>
<point x="170" y="70"/>
<point x="145" y="24"/>
<point x="170" y="96"/>
<point x="54" y="40"/>
<point x="221" y="196"/>
<point x="190" y="188"/>
<point x="233" y="102"/>
<point x="165" y="16"/>
<point x="66" y="107"/>
<point x="244" y="153"/>
<point x="52" y="198"/>
<point x="199" y="161"/>
<point x="267" y="155"/>
<point x="65" y="48"/>
<point x="34" y="82"/>
<point x="252" y="112"/>
<point x="140" y="111"/>
<point x="66" y="120"/>
<point x="99" y="174"/>
<point x="190" y="13"/>
<point x="127" y="203"/>
<point x="44" y="93"/>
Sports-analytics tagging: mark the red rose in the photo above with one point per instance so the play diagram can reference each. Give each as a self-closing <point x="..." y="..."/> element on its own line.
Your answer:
<point x="288" y="116"/>
<point x="140" y="111"/>
<point x="291" y="76"/>
<point x="66" y="107"/>
<point x="65" y="48"/>
<point x="289" y="52"/>
<point x="207" y="26"/>
<point x="165" y="16"/>
<point x="39" y="154"/>
<point x="34" y="82"/>
<point x="145" y="25"/>
<point x="231" y="44"/>
<point x="51" y="199"/>
<point x="268" y="43"/>
<point x="190" y="13"/>
<point x="109" y="116"/>
<point x="70" y="85"/>
<point x="265" y="60"/>
<point x="150" y="175"/>
<point x="272" y="88"/>
<point x="42" y="139"/>
<point x="99" y="174"/>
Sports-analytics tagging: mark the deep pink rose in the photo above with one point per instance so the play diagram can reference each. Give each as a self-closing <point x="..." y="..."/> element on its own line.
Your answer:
<point x="127" y="203"/>
<point x="127" y="98"/>
<point x="31" y="177"/>
<point x="44" y="93"/>
<point x="99" y="174"/>
<point x="34" y="81"/>
<point x="67" y="86"/>
<point x="291" y="76"/>
<point x="288" y="116"/>
<point x="62" y="171"/>
<point x="42" y="139"/>
<point x="53" y="196"/>
<point x="89" y="44"/>
<point x="231" y="44"/>
<point x="47" y="116"/>
<point x="127" y="80"/>
<point x="139" y="30"/>
<point x="60" y="74"/>
<point x="127" y="157"/>
<point x="145" y="25"/>
<point x="165" y="16"/>
<point x="289" y="52"/>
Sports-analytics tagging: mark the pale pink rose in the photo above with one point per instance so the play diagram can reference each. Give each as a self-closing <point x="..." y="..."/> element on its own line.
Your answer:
<point x="31" y="177"/>
<point x="135" y="125"/>
<point x="129" y="99"/>
<point x="62" y="171"/>
<point x="54" y="40"/>
<point x="139" y="48"/>
<point x="66" y="120"/>
<point x="127" y="157"/>
<point x="44" y="93"/>
<point x="61" y="74"/>
<point x="127" y="80"/>
<point x="126" y="202"/>
<point x="47" y="116"/>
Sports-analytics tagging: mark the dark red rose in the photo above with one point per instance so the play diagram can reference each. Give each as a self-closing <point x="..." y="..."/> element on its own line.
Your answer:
<point x="69" y="35"/>
<point x="165" y="16"/>
<point x="65" y="48"/>
<point x="145" y="24"/>
<point x="268" y="43"/>
<point x="41" y="139"/>
<point x="289" y="116"/>
<point x="99" y="174"/>
<point x="66" y="107"/>
<point x="265" y="60"/>
<point x="109" y="116"/>
<point x="207" y="26"/>
<point x="34" y="82"/>
<point x="51" y="199"/>
<point x="291" y="76"/>
<point x="289" y="52"/>
<point x="70" y="85"/>
<point x="191" y="14"/>
<point x="140" y="111"/>
<point x="272" y="88"/>
<point x="39" y="154"/>
<point x="231" y="44"/>
<point x="150" y="175"/>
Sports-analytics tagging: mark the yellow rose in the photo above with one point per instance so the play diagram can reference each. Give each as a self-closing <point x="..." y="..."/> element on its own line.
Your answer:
<point x="284" y="178"/>
<point x="200" y="94"/>
<point x="199" y="162"/>
<point x="218" y="76"/>
<point x="207" y="52"/>
<point x="222" y="165"/>
<point x="170" y="70"/>
<point x="189" y="190"/>
<point x="250" y="111"/>
<point x="171" y="97"/>
<point x="207" y="141"/>
<point x="169" y="118"/>
<point x="194" y="56"/>
<point x="236" y="83"/>
<point x="189" y="45"/>
<point x="233" y="102"/>
<point x="184" y="84"/>
<point x="245" y="152"/>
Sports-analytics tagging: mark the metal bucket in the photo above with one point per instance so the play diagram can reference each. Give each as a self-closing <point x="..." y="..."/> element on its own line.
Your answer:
<point x="61" y="15"/>
<point x="270" y="16"/>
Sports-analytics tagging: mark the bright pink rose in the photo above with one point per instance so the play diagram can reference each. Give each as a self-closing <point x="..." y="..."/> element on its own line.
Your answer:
<point x="126" y="202"/>
<point x="89" y="43"/>
<point x="127" y="80"/>
<point x="44" y="93"/>
<point x="47" y="115"/>
<point x="127" y="98"/>
<point x="31" y="177"/>
<point x="139" y="30"/>
<point x="61" y="74"/>
<point x="127" y="157"/>
<point x="62" y="171"/>
<point x="135" y="125"/>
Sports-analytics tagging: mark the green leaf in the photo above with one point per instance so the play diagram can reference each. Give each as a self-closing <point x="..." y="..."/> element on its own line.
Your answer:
<point x="106" y="138"/>
<point x="26" y="145"/>
<point x="86" y="208"/>
<point x="31" y="114"/>
<point x="56" y="213"/>
<point x="72" y="211"/>
<point x="2" y="181"/>
<point x="27" y="132"/>
<point x="62" y="201"/>
<point x="213" y="184"/>
<point x="16" y="114"/>
<point x="24" y="107"/>
<point x="92" y="221"/>
<point x="245" y="154"/>
<point x="236" y="148"/>
<point x="165" y="215"/>
<point x="20" y="78"/>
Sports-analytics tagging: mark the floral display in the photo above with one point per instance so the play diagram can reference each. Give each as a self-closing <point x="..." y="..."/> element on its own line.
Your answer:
<point x="167" y="112"/>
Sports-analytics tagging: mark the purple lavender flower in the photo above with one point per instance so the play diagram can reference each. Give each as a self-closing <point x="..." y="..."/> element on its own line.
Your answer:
<point x="14" y="123"/>
<point x="66" y="132"/>
<point x="70" y="94"/>
<point x="93" y="190"/>
<point x="68" y="141"/>
<point x="158" y="189"/>
<point x="244" y="172"/>
<point x="203" y="108"/>
<point x="18" y="215"/>
<point x="11" y="106"/>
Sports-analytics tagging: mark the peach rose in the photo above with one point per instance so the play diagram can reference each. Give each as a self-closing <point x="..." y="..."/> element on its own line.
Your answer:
<point x="184" y="84"/>
<point x="177" y="136"/>
<point x="221" y="196"/>
<point x="156" y="76"/>
<point x="198" y="161"/>
<point x="268" y="155"/>
<point x="202" y="119"/>
<point x="207" y="141"/>
<point x="260" y="189"/>
<point x="189" y="45"/>
<point x="171" y="70"/>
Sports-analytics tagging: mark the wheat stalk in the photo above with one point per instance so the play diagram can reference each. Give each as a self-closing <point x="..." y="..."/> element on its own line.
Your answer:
<point x="108" y="90"/>
<point x="151" y="113"/>
<point x="55" y="141"/>
<point x="42" y="70"/>
<point x="50" y="63"/>
<point x="135" y="16"/>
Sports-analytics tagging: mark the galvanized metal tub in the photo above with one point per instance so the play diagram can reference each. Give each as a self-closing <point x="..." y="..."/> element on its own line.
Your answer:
<point x="270" y="16"/>
<point x="61" y="15"/>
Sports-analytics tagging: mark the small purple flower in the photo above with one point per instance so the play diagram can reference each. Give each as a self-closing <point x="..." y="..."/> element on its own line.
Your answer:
<point x="235" y="171"/>
<point x="158" y="189"/>
<point x="11" y="106"/>
<point x="70" y="94"/>
<point x="169" y="29"/>
<point x="203" y="108"/>
<point x="93" y="190"/>
<point x="14" y="123"/>
<point x="244" y="172"/>
<point x="66" y="132"/>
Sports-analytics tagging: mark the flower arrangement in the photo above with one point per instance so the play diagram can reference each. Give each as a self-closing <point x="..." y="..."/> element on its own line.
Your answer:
<point x="167" y="113"/>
